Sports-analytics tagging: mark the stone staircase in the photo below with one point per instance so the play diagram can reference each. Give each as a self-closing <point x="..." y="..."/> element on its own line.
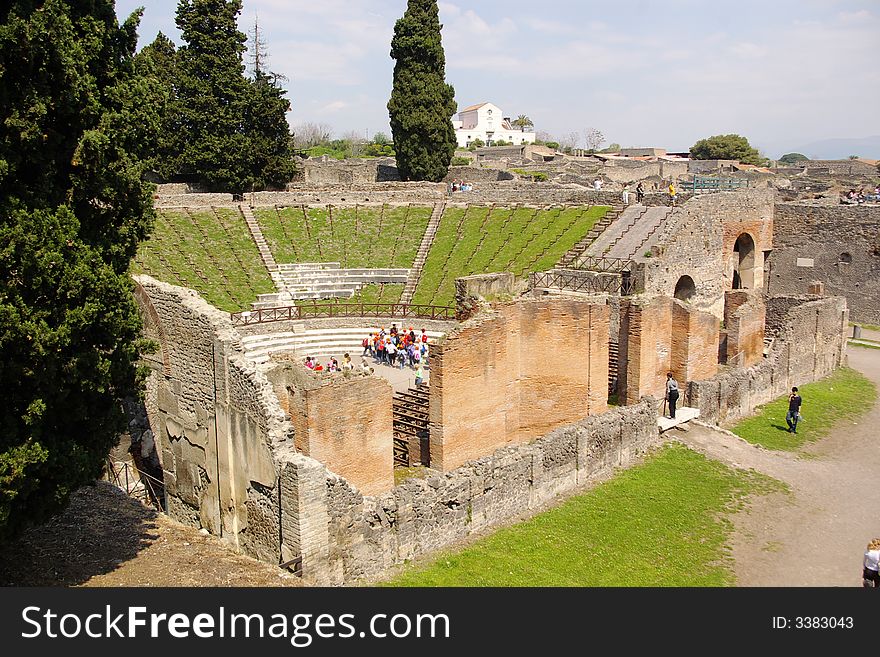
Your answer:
<point x="262" y="245"/>
<point x="415" y="274"/>
<point x="571" y="257"/>
<point x="323" y="280"/>
<point x="641" y="236"/>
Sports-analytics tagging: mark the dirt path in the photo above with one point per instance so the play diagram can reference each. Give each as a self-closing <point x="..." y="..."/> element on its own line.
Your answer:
<point x="816" y="536"/>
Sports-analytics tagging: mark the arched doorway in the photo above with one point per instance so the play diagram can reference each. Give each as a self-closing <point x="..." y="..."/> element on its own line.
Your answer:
<point x="744" y="264"/>
<point x="685" y="289"/>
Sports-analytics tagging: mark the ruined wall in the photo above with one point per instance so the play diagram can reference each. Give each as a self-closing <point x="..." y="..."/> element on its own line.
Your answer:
<point x="477" y="174"/>
<point x="346" y="424"/>
<point x="698" y="242"/>
<point x="659" y="335"/>
<point x="810" y="344"/>
<point x="744" y="318"/>
<point x="368" y="535"/>
<point x="216" y="421"/>
<point x="512" y="374"/>
<point x="839" y="246"/>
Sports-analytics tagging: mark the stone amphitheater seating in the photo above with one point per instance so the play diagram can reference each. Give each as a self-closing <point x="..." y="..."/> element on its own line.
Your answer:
<point x="317" y="342"/>
<point x="324" y="280"/>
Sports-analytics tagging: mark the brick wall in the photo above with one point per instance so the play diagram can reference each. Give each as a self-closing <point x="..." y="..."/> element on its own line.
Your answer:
<point x="744" y="318"/>
<point x="809" y="245"/>
<point x="659" y="335"/>
<point x="512" y="374"/>
<point x="346" y="424"/>
<point x="810" y="344"/>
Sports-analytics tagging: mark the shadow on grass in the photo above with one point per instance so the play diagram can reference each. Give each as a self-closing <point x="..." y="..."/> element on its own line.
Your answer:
<point x="780" y="427"/>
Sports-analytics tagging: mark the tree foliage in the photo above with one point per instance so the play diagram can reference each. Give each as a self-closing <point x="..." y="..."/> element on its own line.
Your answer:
<point x="793" y="158"/>
<point x="74" y="117"/>
<point x="224" y="131"/>
<point x="727" y="147"/>
<point x="421" y="104"/>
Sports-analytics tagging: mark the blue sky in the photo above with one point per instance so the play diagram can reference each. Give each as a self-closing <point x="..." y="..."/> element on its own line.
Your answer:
<point x="783" y="73"/>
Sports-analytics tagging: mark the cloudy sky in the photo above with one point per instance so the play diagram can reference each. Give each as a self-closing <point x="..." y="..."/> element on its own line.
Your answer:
<point x="784" y="73"/>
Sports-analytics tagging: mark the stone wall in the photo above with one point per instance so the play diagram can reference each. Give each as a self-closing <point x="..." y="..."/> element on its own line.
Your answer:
<point x="839" y="246"/>
<point x="215" y="419"/>
<point x="513" y="373"/>
<point x="744" y="318"/>
<point x="368" y="535"/>
<point x="659" y="335"/>
<point x="329" y="171"/>
<point x="698" y="241"/>
<point x="477" y="174"/>
<point x="195" y="200"/>
<point x="810" y="344"/>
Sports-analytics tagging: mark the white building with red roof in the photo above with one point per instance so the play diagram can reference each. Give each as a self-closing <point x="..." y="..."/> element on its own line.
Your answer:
<point x="488" y="123"/>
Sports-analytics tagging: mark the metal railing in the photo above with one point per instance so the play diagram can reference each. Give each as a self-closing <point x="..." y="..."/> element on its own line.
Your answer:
<point x="707" y="184"/>
<point x="319" y="310"/>
<point x="602" y="264"/>
<point x="573" y="282"/>
<point x="137" y="484"/>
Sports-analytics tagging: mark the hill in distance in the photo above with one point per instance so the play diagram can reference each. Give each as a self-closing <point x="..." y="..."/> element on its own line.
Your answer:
<point x="840" y="149"/>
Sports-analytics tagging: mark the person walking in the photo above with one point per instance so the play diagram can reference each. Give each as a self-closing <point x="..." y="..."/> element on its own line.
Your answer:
<point x="794" y="410"/>
<point x="673" y="193"/>
<point x="671" y="393"/>
<point x="871" y="572"/>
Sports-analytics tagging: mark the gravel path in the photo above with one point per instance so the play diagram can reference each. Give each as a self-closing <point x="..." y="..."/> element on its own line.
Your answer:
<point x="816" y="536"/>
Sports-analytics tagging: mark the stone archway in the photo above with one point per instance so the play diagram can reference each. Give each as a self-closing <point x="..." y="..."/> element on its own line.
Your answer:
<point x="744" y="263"/>
<point x="685" y="289"/>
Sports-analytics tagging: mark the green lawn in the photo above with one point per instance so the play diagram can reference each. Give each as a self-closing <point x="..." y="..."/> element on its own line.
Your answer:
<point x="477" y="240"/>
<point x="662" y="523"/>
<point x="846" y="394"/>
<point x="357" y="237"/>
<point x="210" y="251"/>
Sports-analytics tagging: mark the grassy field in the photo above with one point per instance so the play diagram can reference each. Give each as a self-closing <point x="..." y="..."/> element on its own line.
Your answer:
<point x="477" y="239"/>
<point x="658" y="524"/>
<point x="356" y="237"/>
<point x="209" y="251"/>
<point x="844" y="395"/>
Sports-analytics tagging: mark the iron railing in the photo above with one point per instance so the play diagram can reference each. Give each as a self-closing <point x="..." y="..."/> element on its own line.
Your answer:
<point x="319" y="310"/>
<point x="602" y="265"/>
<point x="137" y="484"/>
<point x="575" y="282"/>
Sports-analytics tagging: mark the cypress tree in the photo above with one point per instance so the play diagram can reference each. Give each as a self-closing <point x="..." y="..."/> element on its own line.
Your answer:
<point x="212" y="96"/>
<point x="74" y="117"/>
<point x="270" y="151"/>
<point x="157" y="62"/>
<point x="422" y="104"/>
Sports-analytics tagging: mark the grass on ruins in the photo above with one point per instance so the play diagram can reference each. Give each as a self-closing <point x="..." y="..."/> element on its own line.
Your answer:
<point x="356" y="237"/>
<point x="476" y="239"/>
<point x="845" y="395"/>
<point x="661" y="523"/>
<point x="210" y="251"/>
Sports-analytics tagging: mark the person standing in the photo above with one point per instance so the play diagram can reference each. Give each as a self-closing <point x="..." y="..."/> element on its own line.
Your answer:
<point x="420" y="375"/>
<point x="794" y="410"/>
<point x="626" y="194"/>
<point x="671" y="393"/>
<point x="673" y="193"/>
<point x="640" y="193"/>
<point x="871" y="572"/>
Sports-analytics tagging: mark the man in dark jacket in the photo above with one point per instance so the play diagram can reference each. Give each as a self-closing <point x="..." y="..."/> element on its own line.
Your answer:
<point x="794" y="410"/>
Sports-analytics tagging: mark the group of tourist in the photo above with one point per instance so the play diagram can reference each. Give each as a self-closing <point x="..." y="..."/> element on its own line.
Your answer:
<point x="397" y="347"/>
<point x="460" y="186"/>
<point x="857" y="197"/>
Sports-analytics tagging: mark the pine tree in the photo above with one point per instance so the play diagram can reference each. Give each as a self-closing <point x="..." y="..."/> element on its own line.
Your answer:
<point x="212" y="96"/>
<point x="74" y="116"/>
<point x="422" y="104"/>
